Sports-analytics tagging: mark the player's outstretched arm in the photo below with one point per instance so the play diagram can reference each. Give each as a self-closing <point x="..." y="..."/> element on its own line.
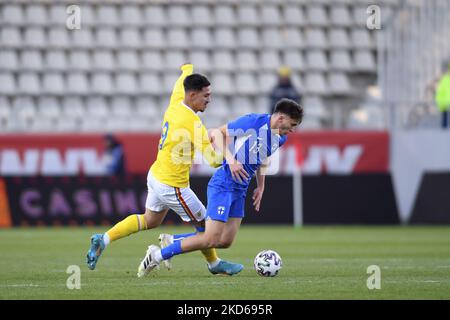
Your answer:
<point x="178" y="89"/>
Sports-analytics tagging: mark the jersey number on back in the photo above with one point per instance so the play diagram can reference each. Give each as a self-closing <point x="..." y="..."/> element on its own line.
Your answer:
<point x="165" y="131"/>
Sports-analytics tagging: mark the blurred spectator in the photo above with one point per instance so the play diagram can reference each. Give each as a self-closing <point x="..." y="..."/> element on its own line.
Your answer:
<point x="114" y="156"/>
<point x="443" y="96"/>
<point x="284" y="88"/>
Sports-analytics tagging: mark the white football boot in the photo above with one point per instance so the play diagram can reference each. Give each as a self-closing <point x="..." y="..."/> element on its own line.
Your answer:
<point x="148" y="263"/>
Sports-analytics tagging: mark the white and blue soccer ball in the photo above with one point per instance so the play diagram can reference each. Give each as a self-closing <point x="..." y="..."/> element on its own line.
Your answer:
<point x="267" y="263"/>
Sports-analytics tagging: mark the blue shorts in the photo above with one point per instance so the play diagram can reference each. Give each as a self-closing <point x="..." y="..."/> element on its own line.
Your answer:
<point x="225" y="204"/>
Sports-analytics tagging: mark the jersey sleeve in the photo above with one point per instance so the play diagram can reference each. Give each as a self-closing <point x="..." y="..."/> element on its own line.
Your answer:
<point x="239" y="126"/>
<point x="202" y="144"/>
<point x="178" y="89"/>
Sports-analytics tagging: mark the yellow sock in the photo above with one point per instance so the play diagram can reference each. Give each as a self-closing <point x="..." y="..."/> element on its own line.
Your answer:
<point x="129" y="225"/>
<point x="210" y="255"/>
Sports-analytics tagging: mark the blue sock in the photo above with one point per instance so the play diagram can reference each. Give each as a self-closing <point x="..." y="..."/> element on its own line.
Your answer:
<point x="200" y="229"/>
<point x="172" y="250"/>
<point x="182" y="236"/>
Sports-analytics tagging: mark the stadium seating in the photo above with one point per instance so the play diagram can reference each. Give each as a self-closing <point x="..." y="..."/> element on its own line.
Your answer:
<point x="122" y="63"/>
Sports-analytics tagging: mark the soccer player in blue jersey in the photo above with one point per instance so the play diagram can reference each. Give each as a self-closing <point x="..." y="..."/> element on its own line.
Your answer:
<point x="249" y="142"/>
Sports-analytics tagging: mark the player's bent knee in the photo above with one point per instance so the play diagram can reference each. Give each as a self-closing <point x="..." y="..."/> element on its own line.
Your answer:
<point x="225" y="243"/>
<point x="152" y="219"/>
<point x="211" y="241"/>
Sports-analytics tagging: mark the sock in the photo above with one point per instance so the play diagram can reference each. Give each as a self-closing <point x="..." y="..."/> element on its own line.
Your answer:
<point x="158" y="256"/>
<point x="209" y="254"/>
<point x="131" y="224"/>
<point x="106" y="239"/>
<point x="182" y="236"/>
<point x="170" y="251"/>
<point x="200" y="229"/>
<point x="211" y="257"/>
<point x="213" y="264"/>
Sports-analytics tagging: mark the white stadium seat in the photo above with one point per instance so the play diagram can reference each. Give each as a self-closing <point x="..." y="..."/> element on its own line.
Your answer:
<point x="223" y="60"/>
<point x="128" y="60"/>
<point x="59" y="38"/>
<point x="247" y="60"/>
<point x="246" y="84"/>
<point x="317" y="16"/>
<point x="79" y="60"/>
<point x="73" y="106"/>
<point x="29" y="83"/>
<point x="155" y="15"/>
<point x="178" y="15"/>
<point x="77" y="83"/>
<point x="293" y="15"/>
<point x="339" y="83"/>
<point x="130" y="15"/>
<point x="130" y="38"/>
<point x="126" y="83"/>
<point x="103" y="60"/>
<point x="201" y="60"/>
<point x="224" y="38"/>
<point x="31" y="60"/>
<point x="11" y="37"/>
<point x="177" y="38"/>
<point x="201" y="38"/>
<point x="317" y="60"/>
<point x="340" y="60"/>
<point x="224" y="15"/>
<point x="151" y="60"/>
<point x="35" y="14"/>
<point x="102" y="83"/>
<point x="53" y="83"/>
<point x="8" y="83"/>
<point x="34" y="37"/>
<point x="270" y="15"/>
<point x="55" y="60"/>
<point x="270" y="60"/>
<point x="107" y="15"/>
<point x="316" y="83"/>
<point x="8" y="60"/>
<point x="248" y="38"/>
<point x="201" y="16"/>
<point x="48" y="106"/>
<point x="13" y="14"/>
<point x="248" y="15"/>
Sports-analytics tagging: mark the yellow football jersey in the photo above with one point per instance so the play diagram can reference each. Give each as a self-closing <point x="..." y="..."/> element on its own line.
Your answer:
<point x="182" y="134"/>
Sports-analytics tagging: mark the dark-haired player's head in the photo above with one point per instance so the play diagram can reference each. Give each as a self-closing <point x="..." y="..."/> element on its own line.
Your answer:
<point x="197" y="90"/>
<point x="287" y="115"/>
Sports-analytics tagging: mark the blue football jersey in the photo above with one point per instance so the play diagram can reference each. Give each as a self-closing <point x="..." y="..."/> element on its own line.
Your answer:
<point x="253" y="142"/>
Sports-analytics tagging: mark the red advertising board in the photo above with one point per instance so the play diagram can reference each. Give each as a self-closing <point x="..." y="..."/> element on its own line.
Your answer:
<point x="334" y="152"/>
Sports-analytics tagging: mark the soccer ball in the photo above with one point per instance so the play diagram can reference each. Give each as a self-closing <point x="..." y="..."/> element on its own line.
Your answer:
<point x="267" y="263"/>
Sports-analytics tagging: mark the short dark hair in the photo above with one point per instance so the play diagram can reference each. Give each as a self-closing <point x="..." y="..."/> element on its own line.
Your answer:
<point x="290" y="108"/>
<point x="195" y="82"/>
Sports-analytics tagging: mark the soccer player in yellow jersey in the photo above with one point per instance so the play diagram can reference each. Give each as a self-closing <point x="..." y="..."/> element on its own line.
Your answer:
<point x="168" y="177"/>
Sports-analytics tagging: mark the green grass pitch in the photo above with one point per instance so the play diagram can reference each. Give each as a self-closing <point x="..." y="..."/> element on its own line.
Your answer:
<point x="320" y="262"/>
